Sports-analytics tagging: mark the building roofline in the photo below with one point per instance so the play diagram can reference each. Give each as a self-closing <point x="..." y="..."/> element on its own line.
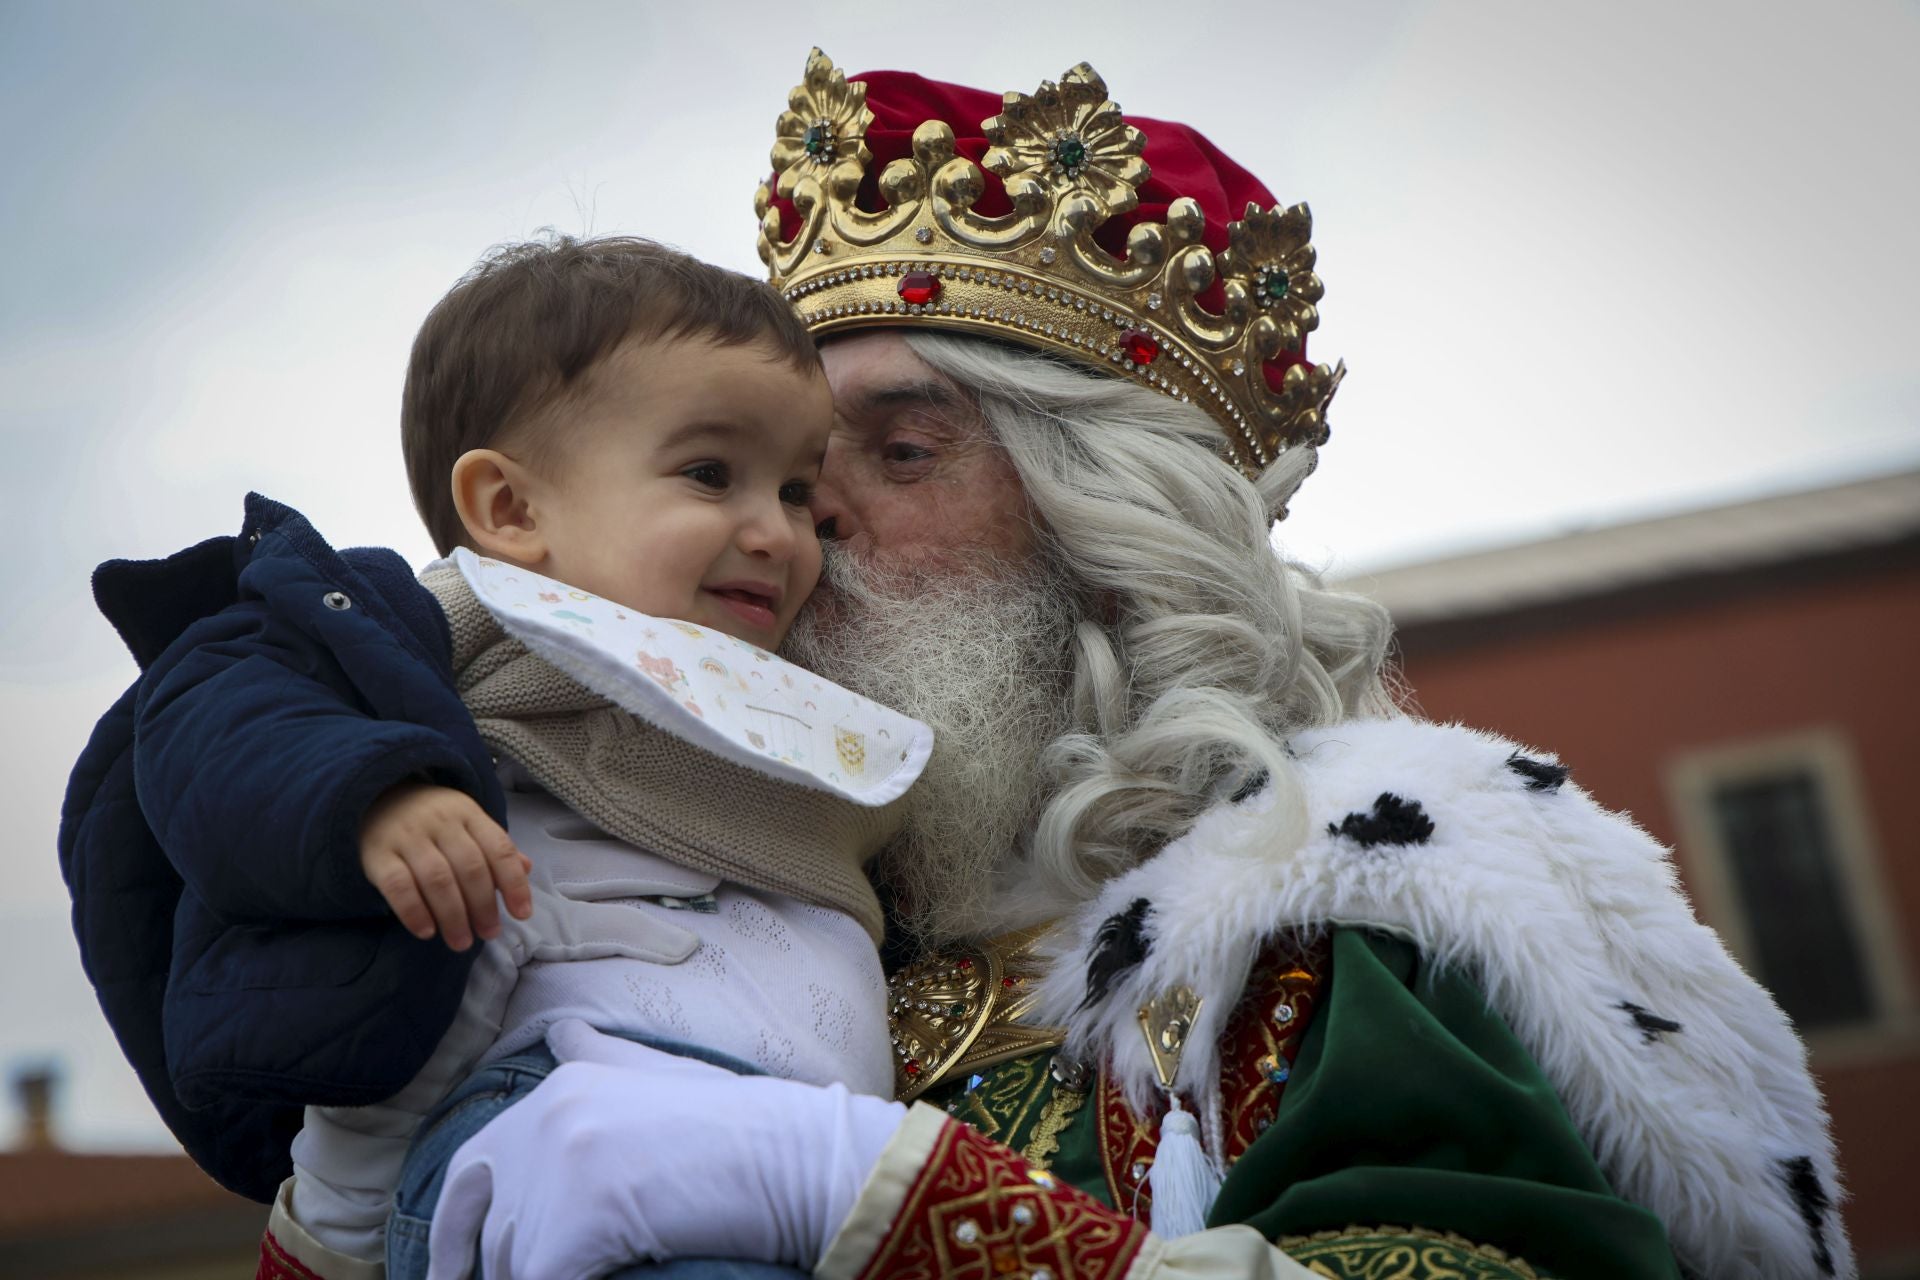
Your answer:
<point x="1715" y="542"/>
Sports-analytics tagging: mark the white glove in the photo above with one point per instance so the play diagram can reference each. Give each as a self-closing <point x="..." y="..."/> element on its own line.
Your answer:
<point x="626" y="1154"/>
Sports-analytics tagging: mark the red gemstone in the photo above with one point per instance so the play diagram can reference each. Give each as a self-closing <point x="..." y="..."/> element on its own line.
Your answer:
<point x="913" y="1067"/>
<point x="963" y="964"/>
<point x="1007" y="982"/>
<point x="919" y="287"/>
<point x="1139" y="346"/>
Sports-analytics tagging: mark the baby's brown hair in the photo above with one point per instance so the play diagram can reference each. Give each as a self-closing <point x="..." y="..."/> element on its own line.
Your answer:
<point x="520" y="331"/>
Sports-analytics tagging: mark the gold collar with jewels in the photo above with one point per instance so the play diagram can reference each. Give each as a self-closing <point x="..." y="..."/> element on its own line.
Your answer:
<point x="1036" y="275"/>
<point x="959" y="1011"/>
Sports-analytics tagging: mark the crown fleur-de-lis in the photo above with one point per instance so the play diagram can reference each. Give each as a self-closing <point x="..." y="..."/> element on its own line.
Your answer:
<point x="1069" y="135"/>
<point x="823" y="130"/>
<point x="1268" y="268"/>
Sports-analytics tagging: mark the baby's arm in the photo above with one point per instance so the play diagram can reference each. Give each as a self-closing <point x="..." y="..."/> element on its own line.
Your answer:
<point x="436" y="857"/>
<point x="257" y="762"/>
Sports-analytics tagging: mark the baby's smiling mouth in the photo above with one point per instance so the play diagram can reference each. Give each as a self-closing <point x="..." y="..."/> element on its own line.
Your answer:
<point x="752" y="602"/>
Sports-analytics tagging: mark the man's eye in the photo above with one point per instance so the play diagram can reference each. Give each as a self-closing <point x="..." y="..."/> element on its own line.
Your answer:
<point x="904" y="451"/>
<point x="796" y="493"/>
<point x="710" y="475"/>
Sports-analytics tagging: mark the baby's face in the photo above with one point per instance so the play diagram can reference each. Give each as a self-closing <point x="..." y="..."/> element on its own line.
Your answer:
<point x="682" y="484"/>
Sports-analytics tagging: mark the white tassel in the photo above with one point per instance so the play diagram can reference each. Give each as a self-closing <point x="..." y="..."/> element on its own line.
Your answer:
<point x="1182" y="1178"/>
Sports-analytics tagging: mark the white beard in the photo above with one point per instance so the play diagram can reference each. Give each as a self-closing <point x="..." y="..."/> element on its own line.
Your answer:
<point x="980" y="654"/>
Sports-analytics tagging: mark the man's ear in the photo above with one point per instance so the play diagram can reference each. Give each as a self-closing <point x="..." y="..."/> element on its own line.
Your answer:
<point x="493" y="495"/>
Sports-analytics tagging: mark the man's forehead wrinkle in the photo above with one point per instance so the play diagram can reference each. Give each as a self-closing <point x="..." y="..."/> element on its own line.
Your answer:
<point x="920" y="391"/>
<point x="871" y="406"/>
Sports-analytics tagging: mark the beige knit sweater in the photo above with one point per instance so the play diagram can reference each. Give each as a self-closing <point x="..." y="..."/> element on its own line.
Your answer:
<point x="643" y="785"/>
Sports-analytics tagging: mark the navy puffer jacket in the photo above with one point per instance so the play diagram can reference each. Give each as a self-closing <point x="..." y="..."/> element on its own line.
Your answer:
<point x="210" y="834"/>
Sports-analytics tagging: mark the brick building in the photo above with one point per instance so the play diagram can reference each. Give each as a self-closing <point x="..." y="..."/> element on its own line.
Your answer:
<point x="70" y="1215"/>
<point x="1746" y="682"/>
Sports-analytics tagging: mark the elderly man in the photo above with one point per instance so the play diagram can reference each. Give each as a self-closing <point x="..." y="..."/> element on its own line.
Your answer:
<point x="1183" y="896"/>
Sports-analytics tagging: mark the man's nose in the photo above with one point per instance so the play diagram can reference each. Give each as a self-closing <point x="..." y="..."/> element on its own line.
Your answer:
<point x="833" y="518"/>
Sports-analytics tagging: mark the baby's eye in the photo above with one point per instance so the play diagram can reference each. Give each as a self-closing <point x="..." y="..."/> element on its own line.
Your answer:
<point x="709" y="475"/>
<point x="796" y="493"/>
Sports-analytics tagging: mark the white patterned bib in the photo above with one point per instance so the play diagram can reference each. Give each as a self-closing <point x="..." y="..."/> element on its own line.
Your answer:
<point x="724" y="695"/>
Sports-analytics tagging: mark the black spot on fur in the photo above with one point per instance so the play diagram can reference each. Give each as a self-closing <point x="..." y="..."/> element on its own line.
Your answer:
<point x="1652" y="1025"/>
<point x="1255" y="783"/>
<point x="1393" y="821"/>
<point x="1540" y="775"/>
<point x="1121" y="943"/>
<point x="1812" y="1200"/>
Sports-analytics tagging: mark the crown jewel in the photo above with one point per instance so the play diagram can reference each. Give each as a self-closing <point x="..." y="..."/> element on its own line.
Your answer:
<point x="1036" y="274"/>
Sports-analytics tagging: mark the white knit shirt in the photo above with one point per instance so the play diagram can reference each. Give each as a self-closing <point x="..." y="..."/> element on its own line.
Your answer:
<point x="793" y="989"/>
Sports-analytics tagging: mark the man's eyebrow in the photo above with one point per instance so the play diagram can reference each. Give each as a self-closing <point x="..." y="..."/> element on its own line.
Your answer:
<point x="921" y="391"/>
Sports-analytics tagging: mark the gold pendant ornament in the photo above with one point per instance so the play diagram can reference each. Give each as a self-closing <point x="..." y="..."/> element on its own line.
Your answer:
<point x="1036" y="275"/>
<point x="1167" y="1021"/>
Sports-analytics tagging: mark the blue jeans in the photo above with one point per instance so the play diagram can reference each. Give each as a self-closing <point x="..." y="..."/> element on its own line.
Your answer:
<point x="482" y="1096"/>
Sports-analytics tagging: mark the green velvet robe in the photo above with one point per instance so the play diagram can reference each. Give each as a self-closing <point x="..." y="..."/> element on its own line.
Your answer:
<point x="1410" y="1106"/>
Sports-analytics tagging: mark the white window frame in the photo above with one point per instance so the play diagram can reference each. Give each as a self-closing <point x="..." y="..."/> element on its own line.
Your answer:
<point x="1825" y="752"/>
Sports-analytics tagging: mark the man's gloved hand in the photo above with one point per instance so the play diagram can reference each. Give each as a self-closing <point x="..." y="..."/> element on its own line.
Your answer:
<point x="627" y="1154"/>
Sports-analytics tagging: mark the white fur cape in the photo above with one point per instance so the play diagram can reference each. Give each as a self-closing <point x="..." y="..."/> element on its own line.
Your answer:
<point x="1571" y="920"/>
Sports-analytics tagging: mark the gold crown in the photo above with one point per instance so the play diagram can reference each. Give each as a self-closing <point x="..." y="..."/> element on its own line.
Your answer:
<point x="1035" y="274"/>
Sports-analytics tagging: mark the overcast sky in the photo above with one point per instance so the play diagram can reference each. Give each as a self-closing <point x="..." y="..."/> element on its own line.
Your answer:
<point x="1585" y="262"/>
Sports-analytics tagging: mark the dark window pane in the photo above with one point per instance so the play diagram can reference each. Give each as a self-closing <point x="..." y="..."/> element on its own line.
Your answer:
<point x="1777" y="837"/>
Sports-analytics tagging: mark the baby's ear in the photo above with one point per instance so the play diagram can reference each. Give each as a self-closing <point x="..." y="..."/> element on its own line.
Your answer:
<point x="492" y="493"/>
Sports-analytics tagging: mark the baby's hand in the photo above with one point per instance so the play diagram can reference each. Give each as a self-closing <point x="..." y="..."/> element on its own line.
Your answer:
<point x="436" y="857"/>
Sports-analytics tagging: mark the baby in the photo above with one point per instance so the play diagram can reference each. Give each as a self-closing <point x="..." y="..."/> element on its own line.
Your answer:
<point x="613" y="445"/>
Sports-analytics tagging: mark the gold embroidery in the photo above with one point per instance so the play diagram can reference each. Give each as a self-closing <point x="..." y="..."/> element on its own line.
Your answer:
<point x="1257" y="1047"/>
<point x="1004" y="1100"/>
<point x="1402" y="1253"/>
<point x="959" y="1011"/>
<point x="1263" y="1037"/>
<point x="978" y="1212"/>
<point x="1045" y="1143"/>
<point x="1128" y="1143"/>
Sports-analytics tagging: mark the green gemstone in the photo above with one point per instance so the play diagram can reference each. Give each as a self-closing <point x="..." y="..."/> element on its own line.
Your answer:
<point x="1069" y="153"/>
<point x="955" y="1010"/>
<point x="818" y="140"/>
<point x="1275" y="285"/>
